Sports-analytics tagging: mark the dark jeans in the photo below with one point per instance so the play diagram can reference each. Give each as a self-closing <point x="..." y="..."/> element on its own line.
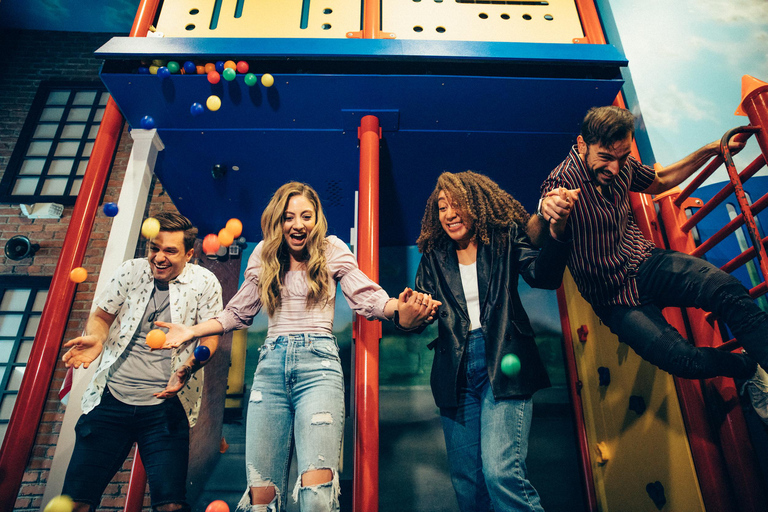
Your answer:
<point x="104" y="438"/>
<point x="670" y="278"/>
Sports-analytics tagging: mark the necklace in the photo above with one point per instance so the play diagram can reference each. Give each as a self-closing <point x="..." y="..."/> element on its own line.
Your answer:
<point x="154" y="314"/>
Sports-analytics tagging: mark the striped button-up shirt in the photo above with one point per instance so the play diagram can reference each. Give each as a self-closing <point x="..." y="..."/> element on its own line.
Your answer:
<point x="608" y="247"/>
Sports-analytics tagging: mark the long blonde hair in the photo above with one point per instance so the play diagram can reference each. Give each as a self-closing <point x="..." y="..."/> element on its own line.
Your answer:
<point x="274" y="255"/>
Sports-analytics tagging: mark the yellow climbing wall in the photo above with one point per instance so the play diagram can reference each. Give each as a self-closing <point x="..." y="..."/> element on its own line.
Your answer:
<point x="636" y="449"/>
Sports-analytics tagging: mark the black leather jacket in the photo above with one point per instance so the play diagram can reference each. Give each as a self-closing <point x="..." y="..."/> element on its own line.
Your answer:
<point x="504" y="321"/>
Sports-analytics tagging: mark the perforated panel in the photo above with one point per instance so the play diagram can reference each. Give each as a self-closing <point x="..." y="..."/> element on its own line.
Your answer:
<point x="259" y="18"/>
<point x="553" y="21"/>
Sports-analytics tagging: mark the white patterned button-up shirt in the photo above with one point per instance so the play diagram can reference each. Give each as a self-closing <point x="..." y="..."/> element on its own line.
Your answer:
<point x="195" y="296"/>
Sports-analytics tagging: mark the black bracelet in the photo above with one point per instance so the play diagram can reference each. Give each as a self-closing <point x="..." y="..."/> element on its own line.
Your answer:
<point x="187" y="371"/>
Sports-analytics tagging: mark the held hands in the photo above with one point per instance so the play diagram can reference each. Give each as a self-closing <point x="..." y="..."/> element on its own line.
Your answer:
<point x="415" y="309"/>
<point x="177" y="381"/>
<point x="556" y="207"/>
<point x="85" y="349"/>
<point x="177" y="334"/>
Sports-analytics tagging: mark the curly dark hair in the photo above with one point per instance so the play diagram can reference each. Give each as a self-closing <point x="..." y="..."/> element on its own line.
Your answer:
<point x="481" y="201"/>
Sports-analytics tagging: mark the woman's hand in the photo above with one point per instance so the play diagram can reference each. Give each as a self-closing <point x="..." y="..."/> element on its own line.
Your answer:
<point x="556" y="207"/>
<point x="415" y="309"/>
<point x="177" y="335"/>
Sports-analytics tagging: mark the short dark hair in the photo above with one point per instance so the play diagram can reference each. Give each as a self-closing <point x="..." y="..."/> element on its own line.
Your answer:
<point x="174" y="221"/>
<point x="607" y="125"/>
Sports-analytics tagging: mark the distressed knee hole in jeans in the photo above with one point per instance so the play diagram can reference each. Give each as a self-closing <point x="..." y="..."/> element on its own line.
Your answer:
<point x="256" y="480"/>
<point x="333" y="486"/>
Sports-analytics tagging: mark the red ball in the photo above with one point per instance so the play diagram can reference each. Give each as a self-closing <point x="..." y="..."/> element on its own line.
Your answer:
<point x="214" y="77"/>
<point x="211" y="244"/>
<point x="217" y="506"/>
<point x="242" y="67"/>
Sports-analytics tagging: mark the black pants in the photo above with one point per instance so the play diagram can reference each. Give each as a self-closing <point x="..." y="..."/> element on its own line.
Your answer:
<point x="670" y="278"/>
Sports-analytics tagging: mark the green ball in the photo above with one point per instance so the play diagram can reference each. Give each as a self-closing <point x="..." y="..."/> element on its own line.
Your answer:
<point x="173" y="66"/>
<point x="510" y="365"/>
<point x="229" y="74"/>
<point x="250" y="79"/>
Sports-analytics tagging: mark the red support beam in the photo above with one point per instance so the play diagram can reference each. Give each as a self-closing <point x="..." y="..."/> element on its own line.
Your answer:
<point x="368" y="333"/>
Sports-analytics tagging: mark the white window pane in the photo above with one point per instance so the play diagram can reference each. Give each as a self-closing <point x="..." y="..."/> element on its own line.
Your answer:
<point x="40" y="298"/>
<point x="9" y="325"/>
<point x="25" y="348"/>
<point x="32" y="166"/>
<point x="66" y="148"/>
<point x="51" y="114"/>
<point x="75" y="187"/>
<point x="45" y="131"/>
<point x="54" y="187"/>
<point x="84" y="98"/>
<point x="73" y="131"/>
<point x="99" y="115"/>
<point x="3" y="428"/>
<point x="14" y="382"/>
<point x="78" y="114"/>
<point x="24" y="186"/>
<point x="31" y="327"/>
<point x="81" y="167"/>
<point x="39" y="148"/>
<point x="104" y="98"/>
<point x="57" y="98"/>
<point x="87" y="149"/>
<point x="59" y="167"/>
<point x="93" y="131"/>
<point x="15" y="300"/>
<point x="6" y="407"/>
<point x="5" y="351"/>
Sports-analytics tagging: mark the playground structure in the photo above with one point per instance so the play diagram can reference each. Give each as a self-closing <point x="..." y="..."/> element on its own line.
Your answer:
<point x="383" y="110"/>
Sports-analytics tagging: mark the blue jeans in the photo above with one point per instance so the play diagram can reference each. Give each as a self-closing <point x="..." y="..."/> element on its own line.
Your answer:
<point x="670" y="278"/>
<point x="487" y="442"/>
<point x="297" y="393"/>
<point x="106" y="434"/>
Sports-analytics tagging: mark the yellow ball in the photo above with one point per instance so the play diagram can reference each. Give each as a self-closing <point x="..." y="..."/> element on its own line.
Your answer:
<point x="153" y="70"/>
<point x="61" y="503"/>
<point x="267" y="80"/>
<point x="213" y="103"/>
<point x="78" y="275"/>
<point x="150" y="228"/>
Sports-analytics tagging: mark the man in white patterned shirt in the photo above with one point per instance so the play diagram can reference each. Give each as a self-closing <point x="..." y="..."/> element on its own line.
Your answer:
<point x="151" y="397"/>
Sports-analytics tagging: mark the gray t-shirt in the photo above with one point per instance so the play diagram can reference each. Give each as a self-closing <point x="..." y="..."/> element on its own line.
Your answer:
<point x="141" y="372"/>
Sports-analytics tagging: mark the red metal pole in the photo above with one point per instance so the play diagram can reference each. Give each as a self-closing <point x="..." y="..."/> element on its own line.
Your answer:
<point x="137" y="485"/>
<point x="366" y="472"/>
<point x="371" y="19"/>
<point x="30" y="402"/>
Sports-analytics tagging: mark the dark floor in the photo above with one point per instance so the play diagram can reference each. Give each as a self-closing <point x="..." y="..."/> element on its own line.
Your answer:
<point x="413" y="473"/>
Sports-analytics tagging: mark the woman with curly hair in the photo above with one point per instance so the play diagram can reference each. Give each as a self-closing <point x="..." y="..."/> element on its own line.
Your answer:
<point x="474" y="248"/>
<point x="298" y="390"/>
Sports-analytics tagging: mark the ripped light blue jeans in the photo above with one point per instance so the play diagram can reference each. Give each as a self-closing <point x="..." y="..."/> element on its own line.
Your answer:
<point x="297" y="393"/>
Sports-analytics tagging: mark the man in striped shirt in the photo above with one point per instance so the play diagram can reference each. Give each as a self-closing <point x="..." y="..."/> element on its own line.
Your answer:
<point x="626" y="279"/>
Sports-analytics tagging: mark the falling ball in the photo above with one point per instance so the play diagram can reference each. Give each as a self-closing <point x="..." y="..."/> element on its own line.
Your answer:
<point x="510" y="365"/>
<point x="225" y="237"/>
<point x="163" y="72"/>
<point x="189" y="67"/>
<point x="214" y="77"/>
<point x="155" y="338"/>
<point x="202" y="353"/>
<point x="250" y="79"/>
<point x="235" y="227"/>
<point x="147" y="123"/>
<point x="196" y="109"/>
<point x="110" y="209"/>
<point x="173" y="66"/>
<point x="211" y="244"/>
<point x="61" y="503"/>
<point x="213" y="103"/>
<point x="150" y="228"/>
<point x="242" y="67"/>
<point x="267" y="80"/>
<point x="217" y="506"/>
<point x="229" y="74"/>
<point x="78" y="275"/>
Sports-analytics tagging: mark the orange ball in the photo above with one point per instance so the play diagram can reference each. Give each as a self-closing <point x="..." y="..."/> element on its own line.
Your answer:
<point x="211" y="244"/>
<point x="230" y="64"/>
<point x="225" y="237"/>
<point x="155" y="338"/>
<point x="210" y="67"/>
<point x="217" y="506"/>
<point x="78" y="275"/>
<point x="201" y="70"/>
<point x="235" y="227"/>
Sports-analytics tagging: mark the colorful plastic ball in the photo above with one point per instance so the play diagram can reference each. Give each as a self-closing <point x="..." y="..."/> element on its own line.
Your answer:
<point x="153" y="70"/>
<point x="110" y="209"/>
<point x="220" y="66"/>
<point x="217" y="506"/>
<point x="210" y="66"/>
<point x="150" y="227"/>
<point x="158" y="62"/>
<point x="201" y="70"/>
<point x="189" y="67"/>
<point x="196" y="109"/>
<point x="235" y="227"/>
<point x="229" y="74"/>
<point x="61" y="503"/>
<point x="211" y="244"/>
<point x="173" y="66"/>
<point x="267" y="80"/>
<point x="510" y="365"/>
<point x="147" y="123"/>
<point x="202" y="353"/>
<point x="225" y="237"/>
<point x="163" y="72"/>
<point x="242" y="67"/>
<point x="143" y="70"/>
<point x="250" y="79"/>
<point x="214" y="77"/>
<point x="230" y="64"/>
<point x="155" y="338"/>
<point x="213" y="103"/>
<point x="78" y="275"/>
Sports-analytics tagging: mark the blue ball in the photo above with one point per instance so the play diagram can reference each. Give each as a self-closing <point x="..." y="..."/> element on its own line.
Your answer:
<point x="143" y="70"/>
<point x="196" y="109"/>
<point x="190" y="68"/>
<point x="163" y="72"/>
<point x="110" y="209"/>
<point x="147" y="123"/>
<point x="202" y="353"/>
<point x="220" y="66"/>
